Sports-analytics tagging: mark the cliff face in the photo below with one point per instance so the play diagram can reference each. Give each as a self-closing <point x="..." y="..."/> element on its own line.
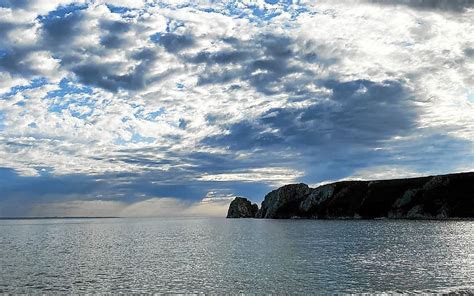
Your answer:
<point x="283" y="202"/>
<point x="242" y="208"/>
<point x="438" y="197"/>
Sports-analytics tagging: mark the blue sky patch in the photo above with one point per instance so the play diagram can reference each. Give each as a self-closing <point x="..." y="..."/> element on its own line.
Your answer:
<point x="68" y="87"/>
<point x="62" y="11"/>
<point x="2" y="119"/>
<point x="137" y="138"/>
<point x="35" y="83"/>
<point x="63" y="98"/>
<point x="153" y="115"/>
<point x="470" y="97"/>
<point x="155" y="37"/>
<point x="118" y="9"/>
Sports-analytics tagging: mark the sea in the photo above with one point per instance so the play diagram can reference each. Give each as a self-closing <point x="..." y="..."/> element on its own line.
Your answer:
<point x="235" y="256"/>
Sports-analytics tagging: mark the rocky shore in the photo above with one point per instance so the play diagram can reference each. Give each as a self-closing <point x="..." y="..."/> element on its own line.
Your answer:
<point x="433" y="197"/>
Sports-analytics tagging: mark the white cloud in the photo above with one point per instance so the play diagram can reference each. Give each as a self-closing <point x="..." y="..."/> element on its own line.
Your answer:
<point x="125" y="3"/>
<point x="274" y="176"/>
<point x="385" y="172"/>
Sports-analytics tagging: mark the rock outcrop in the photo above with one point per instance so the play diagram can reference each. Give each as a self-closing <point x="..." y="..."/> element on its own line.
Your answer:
<point x="435" y="197"/>
<point x="283" y="202"/>
<point x="242" y="208"/>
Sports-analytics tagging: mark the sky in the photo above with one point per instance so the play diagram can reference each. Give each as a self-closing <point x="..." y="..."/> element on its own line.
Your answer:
<point x="173" y="107"/>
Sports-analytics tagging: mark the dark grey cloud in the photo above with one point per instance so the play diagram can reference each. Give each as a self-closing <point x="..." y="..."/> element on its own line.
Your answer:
<point x="103" y="76"/>
<point x="115" y="26"/>
<point x="5" y="28"/>
<point x="469" y="52"/>
<point x="359" y="112"/>
<point x="60" y="31"/>
<point x="145" y="54"/>
<point x="336" y="137"/>
<point x="245" y="135"/>
<point x="113" y="33"/>
<point x="200" y="162"/>
<point x="13" y="62"/>
<point x="445" y="5"/>
<point x="222" y="57"/>
<point x="264" y="61"/>
<point x="17" y="4"/>
<point x="57" y="35"/>
<point x="13" y="56"/>
<point x="113" y="41"/>
<point x="330" y="138"/>
<point x="174" y="43"/>
<point x="20" y="194"/>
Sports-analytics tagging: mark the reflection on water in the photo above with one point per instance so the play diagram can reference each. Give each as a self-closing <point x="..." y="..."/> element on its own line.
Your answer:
<point x="231" y="256"/>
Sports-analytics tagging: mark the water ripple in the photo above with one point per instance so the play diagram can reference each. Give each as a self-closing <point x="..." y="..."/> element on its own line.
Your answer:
<point x="220" y="256"/>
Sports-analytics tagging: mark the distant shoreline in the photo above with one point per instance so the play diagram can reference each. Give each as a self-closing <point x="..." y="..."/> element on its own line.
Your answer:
<point x="51" y="218"/>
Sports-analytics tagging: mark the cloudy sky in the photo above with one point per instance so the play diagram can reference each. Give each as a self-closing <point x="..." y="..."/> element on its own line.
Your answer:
<point x="152" y="108"/>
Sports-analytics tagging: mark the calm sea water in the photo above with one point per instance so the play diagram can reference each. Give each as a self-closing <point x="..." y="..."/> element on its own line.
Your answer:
<point x="232" y="256"/>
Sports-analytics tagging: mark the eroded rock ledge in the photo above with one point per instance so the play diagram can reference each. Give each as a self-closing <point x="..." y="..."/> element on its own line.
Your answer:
<point x="434" y="197"/>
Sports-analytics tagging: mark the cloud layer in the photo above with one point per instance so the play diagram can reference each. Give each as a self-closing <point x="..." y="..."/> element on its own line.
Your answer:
<point x="108" y="105"/>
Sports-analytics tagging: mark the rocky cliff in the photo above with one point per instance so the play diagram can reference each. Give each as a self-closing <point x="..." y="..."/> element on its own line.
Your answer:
<point x="434" y="197"/>
<point x="242" y="208"/>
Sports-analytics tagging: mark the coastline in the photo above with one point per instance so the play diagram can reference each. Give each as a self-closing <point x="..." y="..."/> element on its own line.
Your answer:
<point x="441" y="197"/>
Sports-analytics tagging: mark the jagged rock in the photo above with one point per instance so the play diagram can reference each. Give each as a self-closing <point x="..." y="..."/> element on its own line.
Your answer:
<point x="317" y="197"/>
<point x="416" y="212"/>
<point x="283" y="202"/>
<point x="241" y="207"/>
<point x="406" y="198"/>
<point x="434" y="197"/>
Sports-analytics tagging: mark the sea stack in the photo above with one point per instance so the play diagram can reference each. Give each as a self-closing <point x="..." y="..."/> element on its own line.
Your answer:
<point x="434" y="197"/>
<point x="241" y="207"/>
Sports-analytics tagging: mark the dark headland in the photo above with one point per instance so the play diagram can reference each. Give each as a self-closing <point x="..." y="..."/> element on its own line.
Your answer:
<point x="433" y="197"/>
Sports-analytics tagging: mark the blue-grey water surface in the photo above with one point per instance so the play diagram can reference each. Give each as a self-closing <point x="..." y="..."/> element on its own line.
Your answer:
<point x="213" y="255"/>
